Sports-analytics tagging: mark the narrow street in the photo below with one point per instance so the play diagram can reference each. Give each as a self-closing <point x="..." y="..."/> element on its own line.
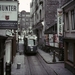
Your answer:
<point x="30" y="64"/>
<point x="37" y="37"/>
<point x="33" y="64"/>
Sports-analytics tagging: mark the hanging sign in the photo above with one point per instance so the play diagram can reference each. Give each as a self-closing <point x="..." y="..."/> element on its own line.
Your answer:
<point x="59" y="22"/>
<point x="8" y="14"/>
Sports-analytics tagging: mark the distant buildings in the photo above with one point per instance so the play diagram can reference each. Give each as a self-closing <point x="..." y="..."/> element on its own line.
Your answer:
<point x="24" y="21"/>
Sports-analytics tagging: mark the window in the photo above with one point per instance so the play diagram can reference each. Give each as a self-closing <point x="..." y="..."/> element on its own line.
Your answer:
<point x="41" y="3"/>
<point x="40" y="14"/>
<point x="30" y="42"/>
<point x="23" y="19"/>
<point x="37" y="16"/>
<point x="70" y="51"/>
<point x="27" y="15"/>
<point x="27" y="23"/>
<point x="27" y="19"/>
<point x="72" y="19"/>
<point x="23" y="15"/>
<point x="67" y="20"/>
<point x="23" y="24"/>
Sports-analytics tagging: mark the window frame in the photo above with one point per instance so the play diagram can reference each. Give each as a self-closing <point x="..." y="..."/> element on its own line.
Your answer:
<point x="67" y="21"/>
<point x="73" y="19"/>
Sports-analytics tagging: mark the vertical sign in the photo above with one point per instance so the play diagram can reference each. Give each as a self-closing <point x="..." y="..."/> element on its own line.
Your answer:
<point x="8" y="14"/>
<point x="59" y="22"/>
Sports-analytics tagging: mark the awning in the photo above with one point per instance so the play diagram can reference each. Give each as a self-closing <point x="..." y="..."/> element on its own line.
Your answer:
<point x="48" y="31"/>
<point x="51" y="30"/>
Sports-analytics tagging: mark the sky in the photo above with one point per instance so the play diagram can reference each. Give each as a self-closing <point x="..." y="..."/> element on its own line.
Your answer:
<point x="24" y="5"/>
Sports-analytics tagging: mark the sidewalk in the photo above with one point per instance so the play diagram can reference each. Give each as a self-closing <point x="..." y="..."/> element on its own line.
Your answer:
<point x="18" y="59"/>
<point x="48" y="57"/>
<point x="58" y="67"/>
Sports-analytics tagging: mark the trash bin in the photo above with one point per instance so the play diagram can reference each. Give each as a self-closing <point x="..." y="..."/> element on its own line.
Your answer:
<point x="18" y="65"/>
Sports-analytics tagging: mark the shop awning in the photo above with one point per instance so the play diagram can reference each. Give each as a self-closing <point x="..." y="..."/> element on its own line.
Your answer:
<point x="51" y="30"/>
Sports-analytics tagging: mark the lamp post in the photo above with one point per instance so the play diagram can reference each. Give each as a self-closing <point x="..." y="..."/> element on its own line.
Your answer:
<point x="54" y="59"/>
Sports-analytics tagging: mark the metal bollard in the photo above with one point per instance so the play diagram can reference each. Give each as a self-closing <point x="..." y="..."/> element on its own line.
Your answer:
<point x="54" y="60"/>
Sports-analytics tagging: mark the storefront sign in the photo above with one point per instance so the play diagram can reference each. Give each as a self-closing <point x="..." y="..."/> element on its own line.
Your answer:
<point x="59" y="22"/>
<point x="8" y="14"/>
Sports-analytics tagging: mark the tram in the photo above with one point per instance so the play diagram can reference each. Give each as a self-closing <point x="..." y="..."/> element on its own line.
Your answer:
<point x="30" y="44"/>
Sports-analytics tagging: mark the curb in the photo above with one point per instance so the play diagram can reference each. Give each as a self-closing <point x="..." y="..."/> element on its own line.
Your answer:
<point x="50" y="62"/>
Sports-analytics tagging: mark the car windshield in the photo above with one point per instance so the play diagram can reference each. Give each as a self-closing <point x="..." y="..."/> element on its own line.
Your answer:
<point x="30" y="42"/>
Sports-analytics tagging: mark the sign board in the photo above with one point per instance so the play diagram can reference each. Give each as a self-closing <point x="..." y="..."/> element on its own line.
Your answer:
<point x="8" y="14"/>
<point x="59" y="22"/>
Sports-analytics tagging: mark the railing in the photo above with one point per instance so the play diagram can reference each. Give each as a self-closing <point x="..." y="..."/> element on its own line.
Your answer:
<point x="57" y="52"/>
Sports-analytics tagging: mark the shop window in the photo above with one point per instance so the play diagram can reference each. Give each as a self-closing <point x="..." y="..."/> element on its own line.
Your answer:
<point x="70" y="51"/>
<point x="73" y="19"/>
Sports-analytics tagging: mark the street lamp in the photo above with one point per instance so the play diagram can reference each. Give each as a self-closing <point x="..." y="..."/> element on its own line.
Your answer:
<point x="54" y="59"/>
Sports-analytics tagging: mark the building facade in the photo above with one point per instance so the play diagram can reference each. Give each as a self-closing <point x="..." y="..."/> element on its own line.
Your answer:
<point x="43" y="14"/>
<point x="8" y="46"/>
<point x="24" y="21"/>
<point x="69" y="34"/>
<point x="37" y="15"/>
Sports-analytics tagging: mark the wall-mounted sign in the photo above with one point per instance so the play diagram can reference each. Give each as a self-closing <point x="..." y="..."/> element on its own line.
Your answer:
<point x="59" y="22"/>
<point x="8" y="14"/>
